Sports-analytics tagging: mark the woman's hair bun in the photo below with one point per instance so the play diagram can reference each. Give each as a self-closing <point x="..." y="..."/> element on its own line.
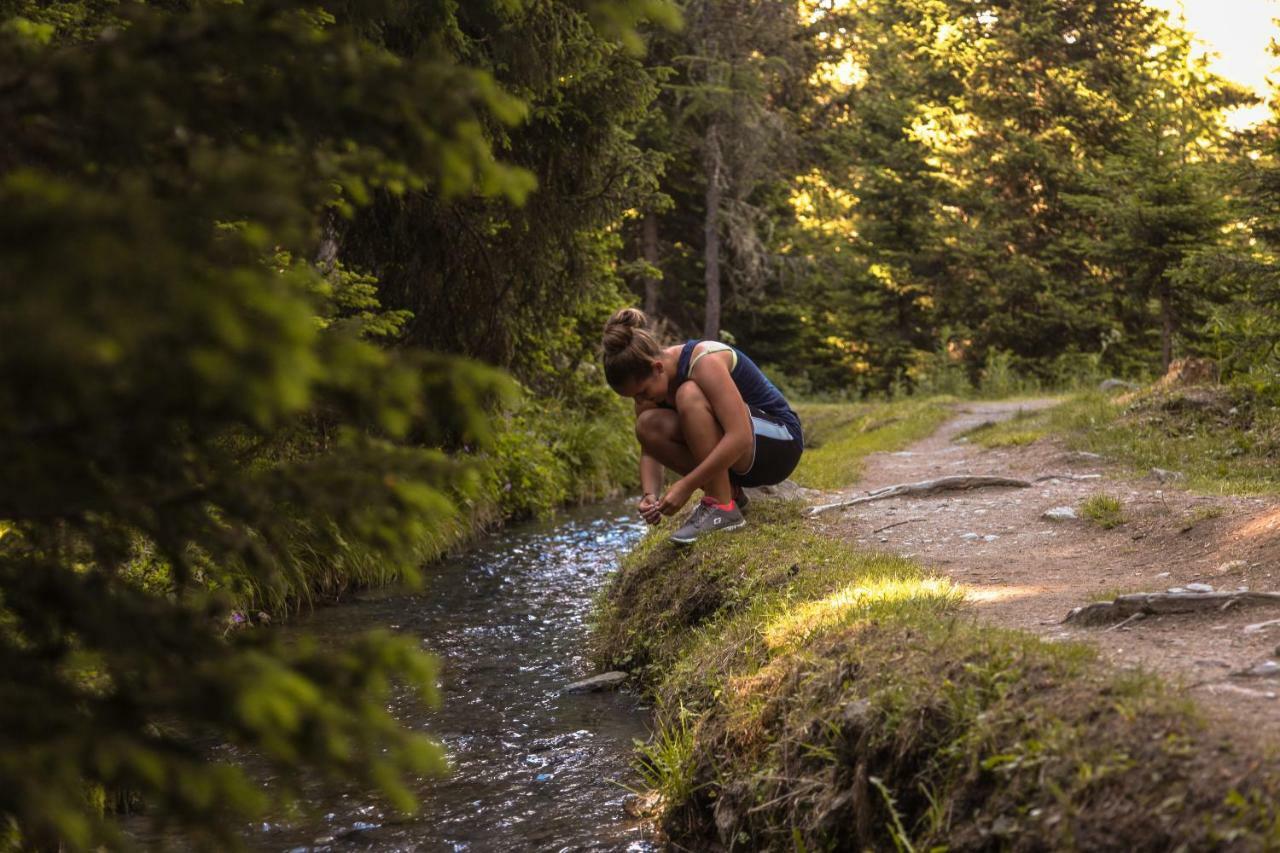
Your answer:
<point x="631" y="317"/>
<point x="620" y="329"/>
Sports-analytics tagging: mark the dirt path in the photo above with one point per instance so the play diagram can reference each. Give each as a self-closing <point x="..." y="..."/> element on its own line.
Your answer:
<point x="1026" y="572"/>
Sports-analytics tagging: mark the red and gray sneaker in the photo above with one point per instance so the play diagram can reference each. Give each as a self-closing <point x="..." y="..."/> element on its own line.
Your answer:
<point x="708" y="517"/>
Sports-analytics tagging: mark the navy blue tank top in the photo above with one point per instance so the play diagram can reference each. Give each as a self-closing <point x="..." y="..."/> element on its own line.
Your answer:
<point x="756" y="389"/>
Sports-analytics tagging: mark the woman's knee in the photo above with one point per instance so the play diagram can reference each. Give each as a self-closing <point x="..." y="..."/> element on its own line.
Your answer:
<point x="656" y="426"/>
<point x="690" y="398"/>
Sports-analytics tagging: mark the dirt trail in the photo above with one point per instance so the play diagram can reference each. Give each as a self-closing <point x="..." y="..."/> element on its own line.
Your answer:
<point x="1023" y="571"/>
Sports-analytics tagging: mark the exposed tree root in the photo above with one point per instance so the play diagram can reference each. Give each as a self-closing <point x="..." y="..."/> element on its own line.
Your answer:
<point x="924" y="487"/>
<point x="1044" y="477"/>
<point x="896" y="524"/>
<point x="1161" y="603"/>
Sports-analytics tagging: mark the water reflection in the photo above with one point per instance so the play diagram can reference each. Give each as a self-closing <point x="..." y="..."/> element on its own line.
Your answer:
<point x="533" y="769"/>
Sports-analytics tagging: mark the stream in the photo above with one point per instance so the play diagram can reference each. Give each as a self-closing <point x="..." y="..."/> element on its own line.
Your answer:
<point x="532" y="769"/>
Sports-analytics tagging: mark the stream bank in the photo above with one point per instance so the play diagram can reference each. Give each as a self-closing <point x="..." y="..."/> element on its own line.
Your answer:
<point x="815" y="693"/>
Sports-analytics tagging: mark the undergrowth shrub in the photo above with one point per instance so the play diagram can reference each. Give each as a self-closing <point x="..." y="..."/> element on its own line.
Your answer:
<point x="544" y="455"/>
<point x="548" y="455"/>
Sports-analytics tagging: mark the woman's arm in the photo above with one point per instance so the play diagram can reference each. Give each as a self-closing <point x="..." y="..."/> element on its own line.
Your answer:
<point x="652" y="475"/>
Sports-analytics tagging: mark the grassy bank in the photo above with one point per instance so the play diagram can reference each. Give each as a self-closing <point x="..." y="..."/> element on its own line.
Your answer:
<point x="1223" y="440"/>
<point x="812" y="696"/>
<point x="839" y="435"/>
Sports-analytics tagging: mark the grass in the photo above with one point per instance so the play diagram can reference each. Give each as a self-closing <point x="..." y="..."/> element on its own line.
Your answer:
<point x="1026" y="427"/>
<point x="838" y="436"/>
<point x="1223" y="439"/>
<point x="802" y="669"/>
<point x="1106" y="511"/>
<point x="665" y="761"/>
<point x="1196" y="516"/>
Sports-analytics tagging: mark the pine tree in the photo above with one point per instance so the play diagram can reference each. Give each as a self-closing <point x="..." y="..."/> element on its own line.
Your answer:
<point x="195" y="414"/>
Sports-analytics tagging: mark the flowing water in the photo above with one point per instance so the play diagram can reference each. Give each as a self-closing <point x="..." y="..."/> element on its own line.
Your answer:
<point x="533" y="769"/>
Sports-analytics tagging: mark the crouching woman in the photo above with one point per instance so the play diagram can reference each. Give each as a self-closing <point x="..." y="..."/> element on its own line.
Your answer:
<point x="705" y="411"/>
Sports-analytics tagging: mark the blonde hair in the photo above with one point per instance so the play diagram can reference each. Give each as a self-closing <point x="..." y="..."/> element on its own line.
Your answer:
<point x="629" y="348"/>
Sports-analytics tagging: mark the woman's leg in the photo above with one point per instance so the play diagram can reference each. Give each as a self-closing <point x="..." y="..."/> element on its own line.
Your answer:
<point x="702" y="432"/>
<point x="658" y="431"/>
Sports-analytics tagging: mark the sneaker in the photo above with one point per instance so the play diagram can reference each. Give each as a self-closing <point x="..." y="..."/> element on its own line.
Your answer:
<point x="707" y="517"/>
<point x="740" y="498"/>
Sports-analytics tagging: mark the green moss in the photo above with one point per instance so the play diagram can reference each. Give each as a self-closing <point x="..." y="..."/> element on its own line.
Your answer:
<point x="832" y="698"/>
<point x="838" y="436"/>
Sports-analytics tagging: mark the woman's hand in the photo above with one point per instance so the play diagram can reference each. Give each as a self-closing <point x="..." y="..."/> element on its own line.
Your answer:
<point x="676" y="496"/>
<point x="649" y="509"/>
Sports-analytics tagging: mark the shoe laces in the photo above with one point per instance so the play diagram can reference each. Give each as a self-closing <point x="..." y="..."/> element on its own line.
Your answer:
<point x="698" y="512"/>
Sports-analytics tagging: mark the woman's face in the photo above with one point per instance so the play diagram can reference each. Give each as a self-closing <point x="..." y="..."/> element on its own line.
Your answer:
<point x="650" y="389"/>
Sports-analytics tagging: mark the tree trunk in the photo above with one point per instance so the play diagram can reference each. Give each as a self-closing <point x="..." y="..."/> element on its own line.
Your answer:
<point x="712" y="156"/>
<point x="649" y="251"/>
<point x="1166" y="327"/>
<point x="327" y="251"/>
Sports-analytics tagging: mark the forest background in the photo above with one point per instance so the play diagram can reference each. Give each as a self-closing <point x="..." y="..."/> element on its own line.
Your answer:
<point x="298" y="295"/>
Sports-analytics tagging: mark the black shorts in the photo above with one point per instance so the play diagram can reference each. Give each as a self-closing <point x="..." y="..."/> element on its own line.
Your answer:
<point x="778" y="449"/>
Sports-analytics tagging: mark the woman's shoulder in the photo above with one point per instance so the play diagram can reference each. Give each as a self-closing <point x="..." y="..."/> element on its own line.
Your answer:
<point x="701" y="346"/>
<point x="708" y="352"/>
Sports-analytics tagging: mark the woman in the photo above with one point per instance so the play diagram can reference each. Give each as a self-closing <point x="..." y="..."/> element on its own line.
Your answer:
<point x="704" y="410"/>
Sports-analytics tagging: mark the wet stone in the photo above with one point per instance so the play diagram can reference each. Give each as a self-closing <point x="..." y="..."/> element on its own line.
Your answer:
<point x="597" y="683"/>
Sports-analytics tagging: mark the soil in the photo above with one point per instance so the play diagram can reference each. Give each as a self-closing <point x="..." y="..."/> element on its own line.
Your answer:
<point x="1026" y="572"/>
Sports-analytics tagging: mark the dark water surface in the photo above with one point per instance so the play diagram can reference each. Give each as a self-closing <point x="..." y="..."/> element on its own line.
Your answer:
<point x="532" y="769"/>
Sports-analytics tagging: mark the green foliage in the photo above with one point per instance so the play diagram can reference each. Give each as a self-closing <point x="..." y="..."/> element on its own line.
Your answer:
<point x="941" y="372"/>
<point x="1242" y="332"/>
<point x="727" y="123"/>
<point x="194" y="416"/>
<point x="547" y="454"/>
<point x="1201" y="514"/>
<point x="1106" y="511"/>
<point x="521" y="286"/>
<point x="1000" y="379"/>
<point x="1015" y="189"/>
<point x="665" y="761"/>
